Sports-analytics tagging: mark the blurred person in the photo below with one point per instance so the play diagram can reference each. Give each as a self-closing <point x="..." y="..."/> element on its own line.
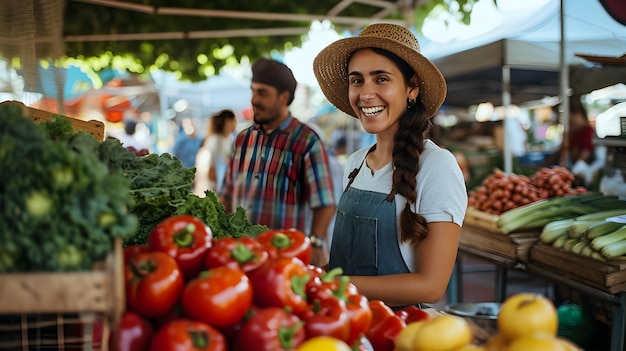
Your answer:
<point x="580" y="139"/>
<point x="131" y="140"/>
<point x="399" y="218"/>
<point x="213" y="155"/>
<point x="279" y="168"/>
<point x="187" y="143"/>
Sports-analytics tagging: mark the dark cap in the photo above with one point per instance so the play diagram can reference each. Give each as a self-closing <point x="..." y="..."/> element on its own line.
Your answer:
<point x="275" y="74"/>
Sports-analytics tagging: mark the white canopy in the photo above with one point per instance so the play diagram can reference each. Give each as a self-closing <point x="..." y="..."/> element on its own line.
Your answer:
<point x="474" y="68"/>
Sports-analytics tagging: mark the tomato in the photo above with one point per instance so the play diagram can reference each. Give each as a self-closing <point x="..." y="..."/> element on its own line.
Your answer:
<point x="287" y="243"/>
<point x="133" y="333"/>
<point x="184" y="237"/>
<point x="220" y="296"/>
<point x="153" y="282"/>
<point x="188" y="335"/>
<point x="270" y="329"/>
<point x="281" y="282"/>
<point x="245" y="253"/>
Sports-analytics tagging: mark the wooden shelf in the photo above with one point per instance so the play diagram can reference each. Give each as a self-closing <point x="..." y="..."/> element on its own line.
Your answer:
<point x="610" y="141"/>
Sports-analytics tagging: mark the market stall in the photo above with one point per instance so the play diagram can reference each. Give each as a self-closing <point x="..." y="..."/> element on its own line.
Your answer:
<point x="570" y="240"/>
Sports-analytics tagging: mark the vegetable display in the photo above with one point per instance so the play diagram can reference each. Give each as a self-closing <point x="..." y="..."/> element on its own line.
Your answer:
<point x="61" y="206"/>
<point x="597" y="234"/>
<point x="542" y="212"/>
<point x="140" y="191"/>
<point x="254" y="298"/>
<point x="501" y="192"/>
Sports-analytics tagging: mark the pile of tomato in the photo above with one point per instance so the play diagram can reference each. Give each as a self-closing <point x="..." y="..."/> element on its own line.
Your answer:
<point x="187" y="291"/>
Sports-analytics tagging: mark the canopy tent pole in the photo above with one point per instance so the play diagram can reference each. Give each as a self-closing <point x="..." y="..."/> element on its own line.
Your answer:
<point x="564" y="87"/>
<point x="506" y="103"/>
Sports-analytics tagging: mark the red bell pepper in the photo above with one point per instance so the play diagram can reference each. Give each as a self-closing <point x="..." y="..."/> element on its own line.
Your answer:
<point x="245" y="253"/>
<point x="270" y="329"/>
<point x="184" y="237"/>
<point x="327" y="317"/>
<point x="154" y="283"/>
<point x="354" y="304"/>
<point x="281" y="282"/>
<point x="188" y="335"/>
<point x="130" y="251"/>
<point x="286" y="243"/>
<point x="411" y="314"/>
<point x="220" y="296"/>
<point x="385" y="327"/>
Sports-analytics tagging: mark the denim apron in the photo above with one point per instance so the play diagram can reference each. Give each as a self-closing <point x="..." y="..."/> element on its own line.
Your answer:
<point x="365" y="237"/>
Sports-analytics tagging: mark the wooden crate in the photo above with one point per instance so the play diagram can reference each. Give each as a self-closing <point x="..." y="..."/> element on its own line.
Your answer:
<point x="86" y="303"/>
<point x="609" y="276"/>
<point x="480" y="231"/>
<point x="96" y="128"/>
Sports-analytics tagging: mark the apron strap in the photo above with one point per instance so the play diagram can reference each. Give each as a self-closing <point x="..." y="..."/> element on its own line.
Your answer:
<point x="356" y="171"/>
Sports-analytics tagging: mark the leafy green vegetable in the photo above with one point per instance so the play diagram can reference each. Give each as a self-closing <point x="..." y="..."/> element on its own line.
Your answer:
<point x="61" y="207"/>
<point x="222" y="224"/>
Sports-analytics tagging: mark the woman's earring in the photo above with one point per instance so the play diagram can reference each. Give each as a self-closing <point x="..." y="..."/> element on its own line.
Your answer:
<point x="411" y="103"/>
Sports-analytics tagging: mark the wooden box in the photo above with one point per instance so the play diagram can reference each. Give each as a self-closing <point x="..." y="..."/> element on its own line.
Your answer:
<point x="96" y="128"/>
<point x="609" y="276"/>
<point x="86" y="304"/>
<point x="480" y="231"/>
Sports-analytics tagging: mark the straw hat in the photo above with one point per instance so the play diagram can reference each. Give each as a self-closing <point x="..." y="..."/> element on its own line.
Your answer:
<point x="331" y="65"/>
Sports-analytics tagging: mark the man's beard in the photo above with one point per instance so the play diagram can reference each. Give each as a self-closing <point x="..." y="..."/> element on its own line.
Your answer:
<point x="270" y="116"/>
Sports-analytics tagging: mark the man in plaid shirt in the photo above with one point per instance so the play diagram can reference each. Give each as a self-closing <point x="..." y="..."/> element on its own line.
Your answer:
<point x="279" y="168"/>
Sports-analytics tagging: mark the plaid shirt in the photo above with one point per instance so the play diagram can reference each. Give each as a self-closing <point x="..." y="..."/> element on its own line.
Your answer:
<point x="277" y="177"/>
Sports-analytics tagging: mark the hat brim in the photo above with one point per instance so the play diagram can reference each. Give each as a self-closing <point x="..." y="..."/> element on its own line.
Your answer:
<point x="331" y="65"/>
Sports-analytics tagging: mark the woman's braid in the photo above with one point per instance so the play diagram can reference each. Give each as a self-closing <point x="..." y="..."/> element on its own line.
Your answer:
<point x="408" y="146"/>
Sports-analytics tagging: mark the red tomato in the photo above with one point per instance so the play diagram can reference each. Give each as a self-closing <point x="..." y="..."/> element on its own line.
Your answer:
<point x="245" y="253"/>
<point x="270" y="329"/>
<point x="133" y="333"/>
<point x="286" y="243"/>
<point x="220" y="296"/>
<point x="188" y="335"/>
<point x="281" y="283"/>
<point x="184" y="237"/>
<point x="153" y="283"/>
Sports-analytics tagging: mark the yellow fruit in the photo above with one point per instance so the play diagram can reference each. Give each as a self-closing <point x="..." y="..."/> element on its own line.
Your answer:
<point x="324" y="343"/>
<point x="567" y="344"/>
<point x="526" y="314"/>
<point x="442" y="333"/>
<point x="404" y="340"/>
<point x="497" y="343"/>
<point x="471" y="347"/>
<point x="536" y="342"/>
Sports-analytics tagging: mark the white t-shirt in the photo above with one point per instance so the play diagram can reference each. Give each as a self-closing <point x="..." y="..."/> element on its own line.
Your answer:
<point x="215" y="152"/>
<point x="441" y="192"/>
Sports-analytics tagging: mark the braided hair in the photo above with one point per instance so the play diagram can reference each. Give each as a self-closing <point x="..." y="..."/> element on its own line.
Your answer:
<point x="408" y="146"/>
